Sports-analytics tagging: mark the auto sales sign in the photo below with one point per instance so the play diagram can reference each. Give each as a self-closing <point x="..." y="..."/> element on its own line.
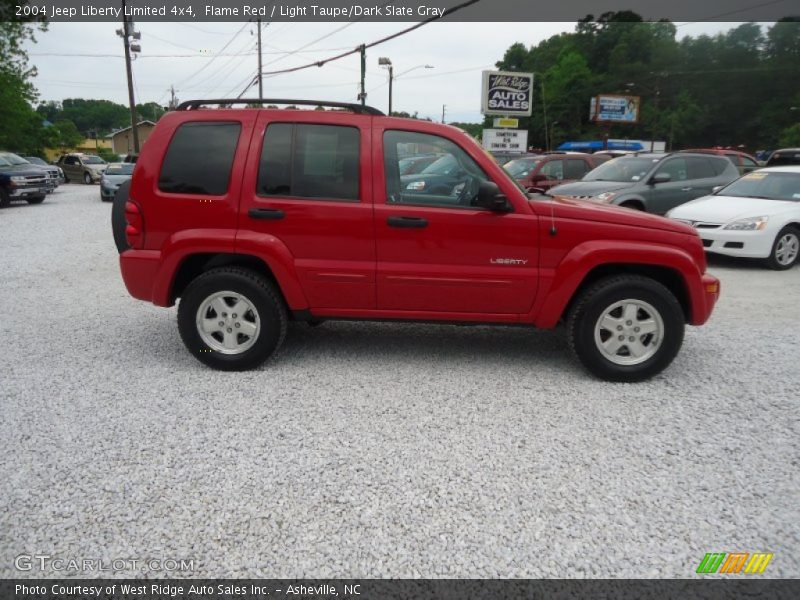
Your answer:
<point x="507" y="93"/>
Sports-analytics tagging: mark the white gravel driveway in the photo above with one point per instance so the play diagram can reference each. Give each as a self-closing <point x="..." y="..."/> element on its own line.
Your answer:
<point x="380" y="450"/>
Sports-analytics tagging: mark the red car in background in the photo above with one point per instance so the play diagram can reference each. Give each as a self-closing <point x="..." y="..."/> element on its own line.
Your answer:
<point x="548" y="170"/>
<point x="743" y="161"/>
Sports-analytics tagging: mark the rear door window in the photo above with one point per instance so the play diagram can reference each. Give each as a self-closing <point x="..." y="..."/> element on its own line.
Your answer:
<point x="704" y="168"/>
<point x="199" y="158"/>
<point x="310" y="161"/>
<point x="576" y="168"/>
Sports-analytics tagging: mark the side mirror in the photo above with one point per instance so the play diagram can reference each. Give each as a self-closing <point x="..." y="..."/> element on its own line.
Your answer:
<point x="661" y="178"/>
<point x="490" y="197"/>
<point x="716" y="188"/>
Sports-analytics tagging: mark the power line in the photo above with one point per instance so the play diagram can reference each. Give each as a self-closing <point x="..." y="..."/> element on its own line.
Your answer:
<point x="382" y="40"/>
<point x="205" y="66"/>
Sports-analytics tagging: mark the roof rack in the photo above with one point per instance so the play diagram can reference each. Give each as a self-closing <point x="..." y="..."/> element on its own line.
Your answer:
<point x="356" y="108"/>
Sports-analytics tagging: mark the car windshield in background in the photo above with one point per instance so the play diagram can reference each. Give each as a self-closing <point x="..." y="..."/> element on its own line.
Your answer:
<point x="770" y="186"/>
<point x="520" y="166"/>
<point x="35" y="160"/>
<point x="4" y="162"/>
<point x="443" y="166"/>
<point x="622" y="169"/>
<point x="123" y="169"/>
<point x="93" y="160"/>
<point x="13" y="159"/>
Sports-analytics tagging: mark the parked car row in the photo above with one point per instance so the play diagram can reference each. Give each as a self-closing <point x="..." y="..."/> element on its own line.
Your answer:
<point x="23" y="180"/>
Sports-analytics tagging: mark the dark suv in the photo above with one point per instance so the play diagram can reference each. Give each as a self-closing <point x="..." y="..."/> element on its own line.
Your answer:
<point x="651" y="182"/>
<point x="784" y="157"/>
<point x="256" y="217"/>
<point x="20" y="180"/>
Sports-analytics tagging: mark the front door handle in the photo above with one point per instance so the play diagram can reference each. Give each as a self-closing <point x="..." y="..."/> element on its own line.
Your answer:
<point x="688" y="189"/>
<point x="407" y="222"/>
<point x="272" y="214"/>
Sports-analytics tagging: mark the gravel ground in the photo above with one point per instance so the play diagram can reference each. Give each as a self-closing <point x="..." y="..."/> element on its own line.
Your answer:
<point x="380" y="450"/>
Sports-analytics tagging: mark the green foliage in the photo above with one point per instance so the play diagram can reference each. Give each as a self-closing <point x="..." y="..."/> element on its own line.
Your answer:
<point x="790" y="137"/>
<point x="730" y="89"/>
<point x="66" y="135"/>
<point x="107" y="155"/>
<point x="21" y="128"/>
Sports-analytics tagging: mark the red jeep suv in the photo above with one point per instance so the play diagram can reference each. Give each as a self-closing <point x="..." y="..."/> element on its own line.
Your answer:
<point x="255" y="217"/>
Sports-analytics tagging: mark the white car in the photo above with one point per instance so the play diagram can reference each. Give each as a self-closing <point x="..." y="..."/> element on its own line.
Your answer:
<point x="756" y="216"/>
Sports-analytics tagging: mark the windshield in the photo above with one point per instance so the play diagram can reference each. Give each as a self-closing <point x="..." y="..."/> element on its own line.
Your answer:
<point x="442" y="166"/>
<point x="769" y="186"/>
<point x="123" y="169"/>
<point x="4" y="162"/>
<point x="520" y="167"/>
<point x="93" y="160"/>
<point x="622" y="169"/>
<point x="35" y="160"/>
<point x="13" y="159"/>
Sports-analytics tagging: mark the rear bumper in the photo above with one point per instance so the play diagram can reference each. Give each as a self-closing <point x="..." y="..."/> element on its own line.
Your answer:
<point x="139" y="270"/>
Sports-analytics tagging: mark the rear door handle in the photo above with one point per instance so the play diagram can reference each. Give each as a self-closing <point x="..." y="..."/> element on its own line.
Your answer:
<point x="407" y="222"/>
<point x="272" y="214"/>
<point x="686" y="189"/>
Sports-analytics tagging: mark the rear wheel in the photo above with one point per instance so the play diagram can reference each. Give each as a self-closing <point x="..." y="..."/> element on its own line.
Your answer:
<point x="36" y="200"/>
<point x="785" y="249"/>
<point x="626" y="328"/>
<point x="232" y="319"/>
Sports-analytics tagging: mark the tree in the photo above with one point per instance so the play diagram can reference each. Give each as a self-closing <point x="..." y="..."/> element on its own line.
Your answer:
<point x="67" y="135"/>
<point x="20" y="127"/>
<point x="790" y="137"/>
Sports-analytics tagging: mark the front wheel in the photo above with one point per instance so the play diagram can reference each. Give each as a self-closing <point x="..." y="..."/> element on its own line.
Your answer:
<point x="5" y="199"/>
<point x="785" y="249"/>
<point x="87" y="179"/>
<point x="626" y="328"/>
<point x="232" y="319"/>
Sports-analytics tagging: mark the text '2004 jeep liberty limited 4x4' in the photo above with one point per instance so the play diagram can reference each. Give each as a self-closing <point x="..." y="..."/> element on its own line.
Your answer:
<point x="253" y="217"/>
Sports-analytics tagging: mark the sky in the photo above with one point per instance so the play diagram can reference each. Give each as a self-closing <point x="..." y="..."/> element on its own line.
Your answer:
<point x="183" y="55"/>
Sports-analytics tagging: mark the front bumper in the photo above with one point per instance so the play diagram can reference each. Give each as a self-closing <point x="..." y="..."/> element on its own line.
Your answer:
<point x="744" y="244"/>
<point x="108" y="192"/>
<point x="710" y="295"/>
<point x="27" y="191"/>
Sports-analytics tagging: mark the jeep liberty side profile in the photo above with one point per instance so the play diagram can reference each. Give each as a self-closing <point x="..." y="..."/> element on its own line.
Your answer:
<point x="254" y="217"/>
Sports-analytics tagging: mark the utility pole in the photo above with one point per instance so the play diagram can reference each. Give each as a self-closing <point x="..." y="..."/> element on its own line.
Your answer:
<point x="444" y="111"/>
<point x="126" y="34"/>
<point x="260" y="82"/>
<point x="391" y="77"/>
<point x="173" y="103"/>
<point x="544" y="113"/>
<point x="363" y="94"/>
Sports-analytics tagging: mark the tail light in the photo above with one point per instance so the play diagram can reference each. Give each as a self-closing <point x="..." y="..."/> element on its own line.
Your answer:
<point x="134" y="225"/>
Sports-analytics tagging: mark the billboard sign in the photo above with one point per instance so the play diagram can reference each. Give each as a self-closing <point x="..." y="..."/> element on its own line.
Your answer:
<point x="611" y="108"/>
<point x="505" y="140"/>
<point x="507" y="93"/>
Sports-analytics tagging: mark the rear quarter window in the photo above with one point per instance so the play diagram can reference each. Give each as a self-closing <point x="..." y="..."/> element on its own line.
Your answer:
<point x="199" y="158"/>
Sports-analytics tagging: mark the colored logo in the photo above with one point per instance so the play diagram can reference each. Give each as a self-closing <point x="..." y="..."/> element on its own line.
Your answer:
<point x="734" y="562"/>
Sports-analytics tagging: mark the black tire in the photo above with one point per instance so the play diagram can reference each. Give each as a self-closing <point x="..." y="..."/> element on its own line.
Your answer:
<point x="118" y="217"/>
<point x="592" y="304"/>
<point x="35" y="200"/>
<point x="255" y="288"/>
<point x="5" y="199"/>
<point x="634" y="206"/>
<point x="87" y="178"/>
<point x="787" y="232"/>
